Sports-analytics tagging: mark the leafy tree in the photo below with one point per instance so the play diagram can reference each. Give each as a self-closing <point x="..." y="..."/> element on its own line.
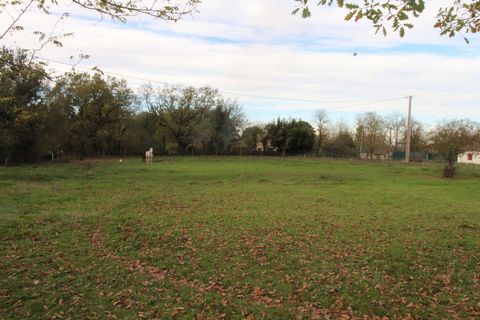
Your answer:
<point x="97" y="110"/>
<point x="220" y="129"/>
<point x="252" y="136"/>
<point x="22" y="92"/>
<point x="341" y="145"/>
<point x="462" y="16"/>
<point x="143" y="133"/>
<point x="55" y="134"/>
<point x="180" y="110"/>
<point x="278" y="135"/>
<point x="292" y="136"/>
<point x="452" y="138"/>
<point x="226" y="120"/>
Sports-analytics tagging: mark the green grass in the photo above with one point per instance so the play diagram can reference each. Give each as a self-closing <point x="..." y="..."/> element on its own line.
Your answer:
<point x="238" y="238"/>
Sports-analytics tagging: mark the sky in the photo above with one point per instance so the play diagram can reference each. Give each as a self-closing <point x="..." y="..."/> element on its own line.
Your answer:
<point x="275" y="64"/>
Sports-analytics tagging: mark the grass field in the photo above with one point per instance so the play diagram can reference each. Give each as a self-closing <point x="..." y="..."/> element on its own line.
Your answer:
<point x="236" y="238"/>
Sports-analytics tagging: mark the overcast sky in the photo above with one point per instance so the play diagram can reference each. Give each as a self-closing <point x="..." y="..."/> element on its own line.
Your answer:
<point x="272" y="62"/>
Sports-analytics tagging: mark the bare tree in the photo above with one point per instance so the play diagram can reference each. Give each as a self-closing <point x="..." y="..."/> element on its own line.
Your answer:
<point x="372" y="130"/>
<point x="395" y="125"/>
<point x="418" y="136"/>
<point x="321" y="123"/>
<point x="339" y="127"/>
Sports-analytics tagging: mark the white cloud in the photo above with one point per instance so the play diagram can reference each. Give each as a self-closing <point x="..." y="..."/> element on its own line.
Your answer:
<point x="267" y="52"/>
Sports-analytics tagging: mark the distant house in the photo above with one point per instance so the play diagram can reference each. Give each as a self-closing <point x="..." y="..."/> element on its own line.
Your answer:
<point x="469" y="157"/>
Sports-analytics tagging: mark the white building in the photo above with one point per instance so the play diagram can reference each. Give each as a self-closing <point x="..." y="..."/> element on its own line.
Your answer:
<point x="469" y="157"/>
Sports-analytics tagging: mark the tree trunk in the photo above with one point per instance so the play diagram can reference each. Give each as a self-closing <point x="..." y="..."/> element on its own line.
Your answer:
<point x="319" y="147"/>
<point x="449" y="170"/>
<point x="83" y="149"/>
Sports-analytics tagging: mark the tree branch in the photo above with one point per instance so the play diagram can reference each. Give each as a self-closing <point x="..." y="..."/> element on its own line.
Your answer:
<point x="11" y="26"/>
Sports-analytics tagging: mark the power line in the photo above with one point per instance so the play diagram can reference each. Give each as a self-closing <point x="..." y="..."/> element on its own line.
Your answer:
<point x="111" y="73"/>
<point x="314" y="100"/>
<point x="234" y="93"/>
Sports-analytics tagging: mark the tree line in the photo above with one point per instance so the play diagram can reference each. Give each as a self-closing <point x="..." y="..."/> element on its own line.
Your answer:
<point x="83" y="115"/>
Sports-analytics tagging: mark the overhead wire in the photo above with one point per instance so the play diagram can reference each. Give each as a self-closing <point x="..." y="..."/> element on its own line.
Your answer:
<point x="237" y="94"/>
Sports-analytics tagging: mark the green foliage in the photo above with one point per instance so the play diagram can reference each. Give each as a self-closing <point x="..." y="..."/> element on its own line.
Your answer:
<point x="225" y="121"/>
<point x="253" y="136"/>
<point x="293" y="136"/>
<point x="22" y="93"/>
<point x="80" y="114"/>
<point x="84" y="115"/>
<point x="179" y="110"/>
<point x="463" y="16"/>
<point x="195" y="118"/>
<point x="341" y="145"/>
<point x="95" y="108"/>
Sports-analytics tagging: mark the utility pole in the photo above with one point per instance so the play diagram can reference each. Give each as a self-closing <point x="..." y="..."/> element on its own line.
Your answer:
<point x="409" y="130"/>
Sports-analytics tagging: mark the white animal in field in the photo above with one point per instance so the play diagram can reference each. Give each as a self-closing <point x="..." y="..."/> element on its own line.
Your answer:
<point x="149" y="156"/>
